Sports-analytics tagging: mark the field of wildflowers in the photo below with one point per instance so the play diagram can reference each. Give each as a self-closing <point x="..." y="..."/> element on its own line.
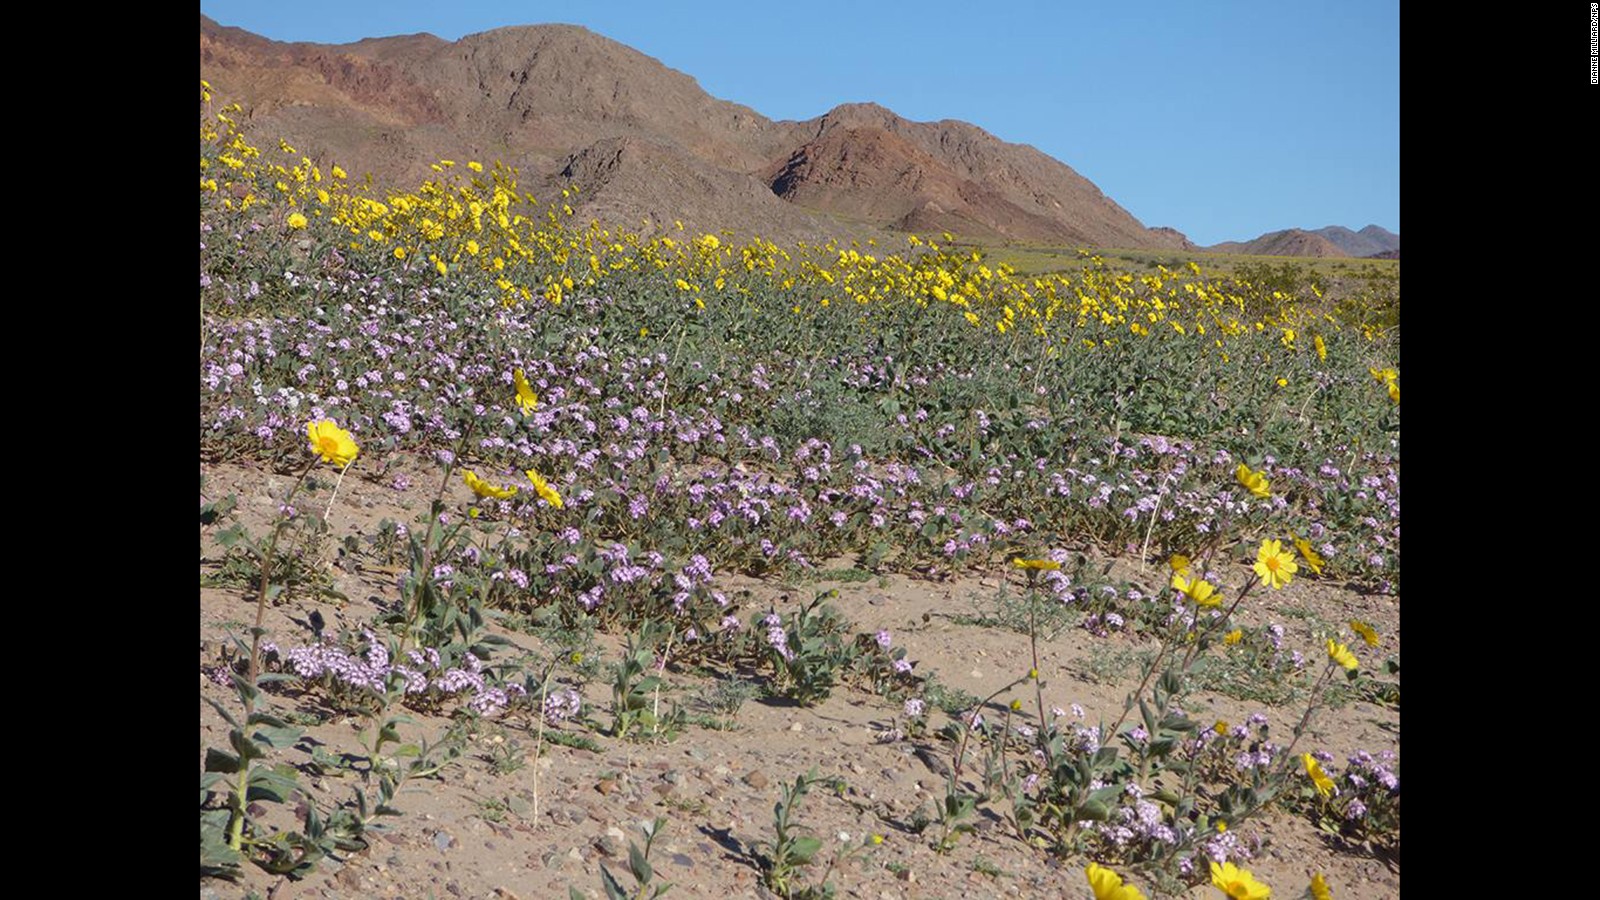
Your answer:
<point x="625" y="446"/>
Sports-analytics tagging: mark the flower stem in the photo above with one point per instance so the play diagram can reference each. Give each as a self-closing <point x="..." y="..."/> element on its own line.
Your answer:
<point x="248" y="697"/>
<point x="261" y="593"/>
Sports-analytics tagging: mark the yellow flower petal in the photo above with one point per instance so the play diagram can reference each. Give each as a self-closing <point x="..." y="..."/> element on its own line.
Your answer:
<point x="485" y="489"/>
<point x="1341" y="654"/>
<point x="1319" y="778"/>
<point x="1274" y="565"/>
<point x="332" y="443"/>
<point x="545" y="490"/>
<point x="525" y="396"/>
<point x="1238" y="883"/>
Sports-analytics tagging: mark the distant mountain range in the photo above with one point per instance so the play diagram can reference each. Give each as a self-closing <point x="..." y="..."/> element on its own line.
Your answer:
<point x="648" y="147"/>
<point x="1334" y="240"/>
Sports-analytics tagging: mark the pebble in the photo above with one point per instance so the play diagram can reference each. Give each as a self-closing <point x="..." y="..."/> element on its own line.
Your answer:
<point x="756" y="779"/>
<point x="443" y="840"/>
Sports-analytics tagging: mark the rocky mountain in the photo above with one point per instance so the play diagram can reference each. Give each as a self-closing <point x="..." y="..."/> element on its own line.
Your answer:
<point x="1333" y="241"/>
<point x="646" y="144"/>
<point x="1369" y="241"/>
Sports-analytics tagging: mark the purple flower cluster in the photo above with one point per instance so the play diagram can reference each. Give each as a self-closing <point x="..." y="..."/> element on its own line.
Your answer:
<point x="372" y="671"/>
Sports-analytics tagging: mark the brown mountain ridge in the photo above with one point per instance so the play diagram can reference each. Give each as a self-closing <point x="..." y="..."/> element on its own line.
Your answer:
<point x="646" y="145"/>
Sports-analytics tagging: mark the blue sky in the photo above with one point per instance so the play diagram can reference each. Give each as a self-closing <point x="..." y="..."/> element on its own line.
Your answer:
<point x="1224" y="120"/>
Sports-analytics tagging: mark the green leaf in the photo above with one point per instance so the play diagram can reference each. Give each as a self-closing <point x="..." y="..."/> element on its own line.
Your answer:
<point x="246" y="748"/>
<point x="221" y="762"/>
<point x="1105" y="794"/>
<point x="226" y="716"/>
<point x="1175" y="722"/>
<point x="638" y="864"/>
<point x="279" y="738"/>
<point x="613" y="887"/>
<point x="803" y="848"/>
<point x="1148" y="715"/>
<point x="275" y="784"/>
<point x="1093" y="810"/>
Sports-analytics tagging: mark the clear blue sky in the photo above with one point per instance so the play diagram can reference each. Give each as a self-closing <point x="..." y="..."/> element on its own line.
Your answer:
<point x="1222" y="119"/>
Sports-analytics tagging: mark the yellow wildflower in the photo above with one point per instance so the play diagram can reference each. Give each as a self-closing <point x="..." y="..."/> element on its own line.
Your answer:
<point x="1238" y="883"/>
<point x="332" y="443"/>
<point x="1319" y="888"/>
<point x="545" y="490"/>
<point x="1366" y="631"/>
<point x="1233" y="637"/>
<point x="1107" y="885"/>
<point x="485" y="489"/>
<point x="1275" y="565"/>
<point x="1046" y="565"/>
<point x="1254" y="482"/>
<point x="297" y="221"/>
<point x="525" y="396"/>
<point x="1179" y="563"/>
<point x="1341" y="654"/>
<point x="1203" y="593"/>
<point x="1318" y="777"/>
<point x="1313" y="559"/>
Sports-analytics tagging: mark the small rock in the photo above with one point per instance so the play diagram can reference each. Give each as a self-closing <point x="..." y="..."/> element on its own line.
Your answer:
<point x="443" y="840"/>
<point x="797" y="727"/>
<point x="506" y="893"/>
<point x="756" y="779"/>
<point x="607" y="845"/>
<point x="605" y="786"/>
<point x="678" y="859"/>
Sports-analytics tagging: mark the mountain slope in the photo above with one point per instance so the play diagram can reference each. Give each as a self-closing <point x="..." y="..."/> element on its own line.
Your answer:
<point x="646" y="142"/>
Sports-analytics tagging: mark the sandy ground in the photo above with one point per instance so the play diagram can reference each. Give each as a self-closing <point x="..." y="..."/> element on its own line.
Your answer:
<point x="473" y="833"/>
